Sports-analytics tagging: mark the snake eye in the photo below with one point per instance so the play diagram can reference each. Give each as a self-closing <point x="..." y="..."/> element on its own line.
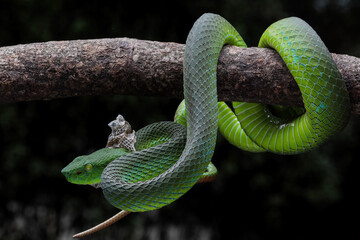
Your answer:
<point x="88" y="167"/>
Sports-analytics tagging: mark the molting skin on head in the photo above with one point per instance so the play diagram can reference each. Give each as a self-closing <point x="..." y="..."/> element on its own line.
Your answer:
<point x="87" y="169"/>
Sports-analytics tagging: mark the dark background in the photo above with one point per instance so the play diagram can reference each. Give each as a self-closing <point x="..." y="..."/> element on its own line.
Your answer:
<point x="256" y="196"/>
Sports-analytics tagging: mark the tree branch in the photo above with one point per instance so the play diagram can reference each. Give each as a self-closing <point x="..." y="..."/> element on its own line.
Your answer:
<point x="44" y="71"/>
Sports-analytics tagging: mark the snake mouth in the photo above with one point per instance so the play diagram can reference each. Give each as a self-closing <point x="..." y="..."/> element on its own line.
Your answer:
<point x="67" y="175"/>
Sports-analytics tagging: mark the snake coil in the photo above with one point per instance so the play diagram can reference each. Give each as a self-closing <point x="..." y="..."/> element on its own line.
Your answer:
<point x="152" y="178"/>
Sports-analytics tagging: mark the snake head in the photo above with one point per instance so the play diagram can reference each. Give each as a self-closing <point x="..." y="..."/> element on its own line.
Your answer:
<point x="87" y="169"/>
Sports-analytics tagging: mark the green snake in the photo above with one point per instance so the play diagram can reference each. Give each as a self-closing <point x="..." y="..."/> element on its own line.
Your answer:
<point x="158" y="174"/>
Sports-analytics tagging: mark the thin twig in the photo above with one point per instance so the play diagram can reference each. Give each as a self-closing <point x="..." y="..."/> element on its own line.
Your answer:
<point x="103" y="225"/>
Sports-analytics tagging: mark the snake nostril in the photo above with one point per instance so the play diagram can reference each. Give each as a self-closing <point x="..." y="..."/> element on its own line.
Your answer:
<point x="78" y="173"/>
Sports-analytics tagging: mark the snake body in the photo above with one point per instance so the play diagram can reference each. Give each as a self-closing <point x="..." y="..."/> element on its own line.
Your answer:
<point x="201" y="108"/>
<point x="154" y="177"/>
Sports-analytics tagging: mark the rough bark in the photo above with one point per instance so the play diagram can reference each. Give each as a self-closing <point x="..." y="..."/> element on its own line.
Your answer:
<point x="44" y="71"/>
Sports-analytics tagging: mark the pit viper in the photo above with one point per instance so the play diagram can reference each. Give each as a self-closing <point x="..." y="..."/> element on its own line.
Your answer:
<point x="160" y="173"/>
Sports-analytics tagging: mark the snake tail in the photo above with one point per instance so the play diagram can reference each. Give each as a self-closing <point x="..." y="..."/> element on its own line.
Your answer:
<point x="228" y="125"/>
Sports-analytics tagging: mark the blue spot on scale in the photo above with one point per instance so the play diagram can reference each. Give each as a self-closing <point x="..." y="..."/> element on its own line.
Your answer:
<point x="297" y="59"/>
<point x="321" y="108"/>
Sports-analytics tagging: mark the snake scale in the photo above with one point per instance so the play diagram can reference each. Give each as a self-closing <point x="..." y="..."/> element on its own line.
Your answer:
<point x="168" y="163"/>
